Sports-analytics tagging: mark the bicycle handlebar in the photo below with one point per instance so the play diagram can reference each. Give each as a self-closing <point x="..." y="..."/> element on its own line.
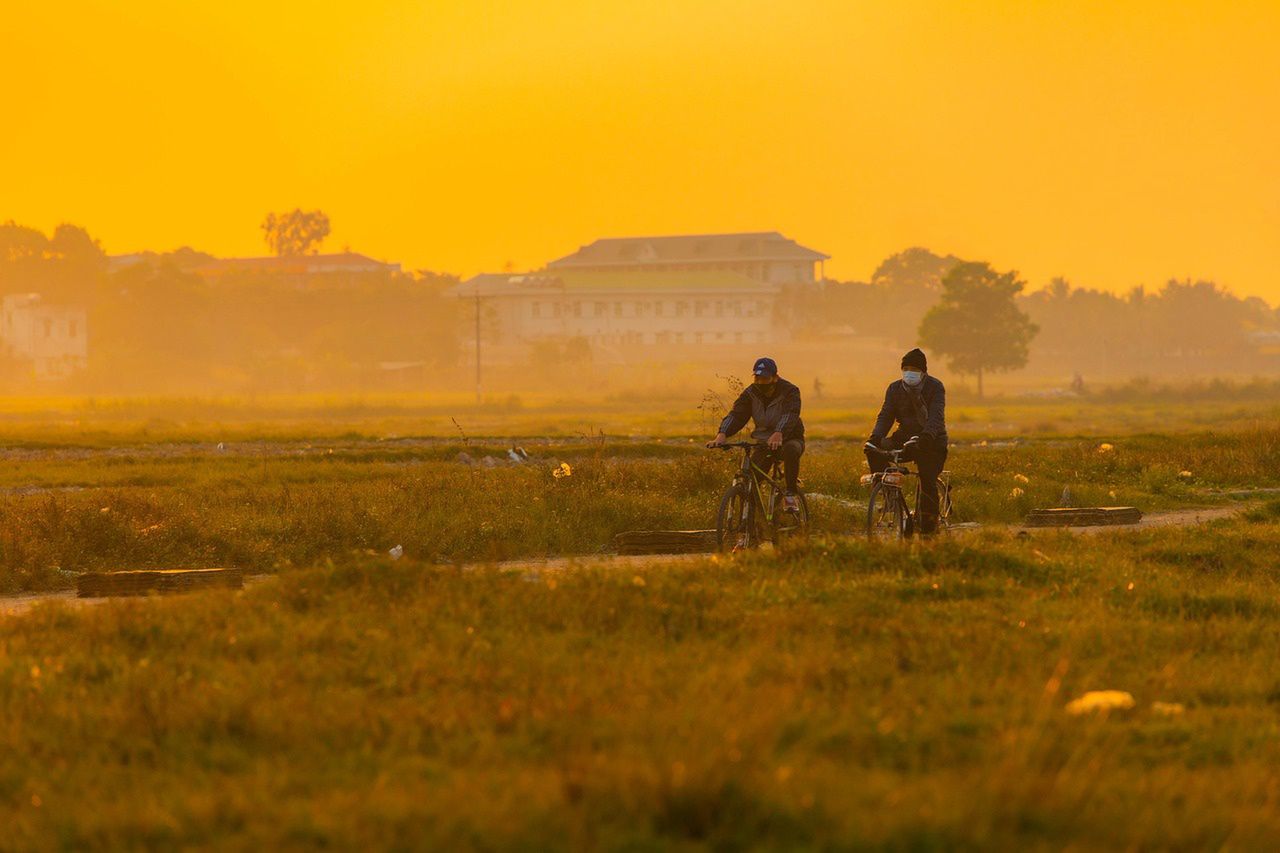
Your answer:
<point x="729" y="444"/>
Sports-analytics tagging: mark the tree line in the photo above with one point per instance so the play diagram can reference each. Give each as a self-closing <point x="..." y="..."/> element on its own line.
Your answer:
<point x="156" y="325"/>
<point x="982" y="320"/>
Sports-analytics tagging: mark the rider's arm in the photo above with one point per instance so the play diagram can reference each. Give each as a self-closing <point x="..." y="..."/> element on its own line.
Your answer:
<point x="884" y="420"/>
<point x="790" y="410"/>
<point x="936" y="424"/>
<point x="738" y="415"/>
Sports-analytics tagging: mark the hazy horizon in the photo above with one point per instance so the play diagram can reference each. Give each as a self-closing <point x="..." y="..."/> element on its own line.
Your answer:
<point x="1115" y="145"/>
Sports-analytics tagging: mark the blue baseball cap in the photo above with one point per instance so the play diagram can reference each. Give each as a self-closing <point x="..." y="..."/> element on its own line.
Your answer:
<point x="765" y="367"/>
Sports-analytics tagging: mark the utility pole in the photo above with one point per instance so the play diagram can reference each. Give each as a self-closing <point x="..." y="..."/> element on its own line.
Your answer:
<point x="477" y="344"/>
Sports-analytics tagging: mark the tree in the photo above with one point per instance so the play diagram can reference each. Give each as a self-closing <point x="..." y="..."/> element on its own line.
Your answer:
<point x="1199" y="322"/>
<point x="908" y="284"/>
<point x="976" y="324"/>
<point x="297" y="232"/>
<point x="73" y="244"/>
<point x="1082" y="329"/>
<point x="19" y="243"/>
<point x="916" y="268"/>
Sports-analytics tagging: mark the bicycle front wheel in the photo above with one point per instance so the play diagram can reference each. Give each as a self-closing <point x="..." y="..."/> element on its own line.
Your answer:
<point x="886" y="518"/>
<point x="735" y="521"/>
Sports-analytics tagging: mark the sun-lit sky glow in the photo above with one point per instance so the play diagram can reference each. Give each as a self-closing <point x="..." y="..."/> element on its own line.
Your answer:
<point x="1115" y="143"/>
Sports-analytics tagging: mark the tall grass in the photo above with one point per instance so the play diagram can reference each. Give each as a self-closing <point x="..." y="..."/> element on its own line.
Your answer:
<point x="837" y="695"/>
<point x="277" y="505"/>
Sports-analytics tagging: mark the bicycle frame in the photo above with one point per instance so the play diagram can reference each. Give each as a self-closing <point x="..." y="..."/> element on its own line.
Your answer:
<point x="895" y="489"/>
<point x="754" y="508"/>
<point x="752" y="473"/>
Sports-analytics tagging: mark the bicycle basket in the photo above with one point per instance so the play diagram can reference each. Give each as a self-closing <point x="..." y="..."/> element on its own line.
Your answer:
<point x="892" y="478"/>
<point x="867" y="479"/>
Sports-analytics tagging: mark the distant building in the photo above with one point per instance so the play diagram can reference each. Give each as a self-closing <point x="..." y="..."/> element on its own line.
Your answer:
<point x="296" y="265"/>
<point x="653" y="297"/>
<point x="53" y="338"/>
<point x="764" y="256"/>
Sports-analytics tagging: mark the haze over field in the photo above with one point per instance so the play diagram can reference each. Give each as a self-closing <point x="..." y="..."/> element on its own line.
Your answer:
<point x="410" y="341"/>
<point x="1115" y="144"/>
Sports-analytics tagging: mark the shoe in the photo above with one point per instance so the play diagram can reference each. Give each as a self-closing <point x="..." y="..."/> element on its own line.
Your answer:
<point x="790" y="503"/>
<point x="741" y="544"/>
<point x="928" y="525"/>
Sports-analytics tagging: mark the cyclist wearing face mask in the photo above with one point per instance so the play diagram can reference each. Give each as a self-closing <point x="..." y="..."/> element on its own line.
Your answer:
<point x="773" y="404"/>
<point x="917" y="402"/>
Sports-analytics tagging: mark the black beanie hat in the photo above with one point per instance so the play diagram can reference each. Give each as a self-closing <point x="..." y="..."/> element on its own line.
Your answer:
<point x="915" y="358"/>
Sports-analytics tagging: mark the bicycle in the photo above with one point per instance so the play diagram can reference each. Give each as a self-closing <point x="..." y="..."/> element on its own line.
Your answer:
<point x="888" y="515"/>
<point x="753" y="505"/>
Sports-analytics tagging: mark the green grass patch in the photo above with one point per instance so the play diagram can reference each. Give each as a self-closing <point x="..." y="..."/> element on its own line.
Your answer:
<point x="840" y="694"/>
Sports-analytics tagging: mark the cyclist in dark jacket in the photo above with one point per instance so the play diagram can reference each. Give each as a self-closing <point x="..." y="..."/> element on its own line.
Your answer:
<point x="917" y="403"/>
<point x="773" y="404"/>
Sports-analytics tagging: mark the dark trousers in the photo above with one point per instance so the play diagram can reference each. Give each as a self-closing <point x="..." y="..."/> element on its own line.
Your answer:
<point x="790" y="452"/>
<point x="929" y="459"/>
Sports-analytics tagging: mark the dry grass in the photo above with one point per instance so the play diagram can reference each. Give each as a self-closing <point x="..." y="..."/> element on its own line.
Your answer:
<point x="835" y="695"/>
<point x="267" y="505"/>
<point x="838" y="695"/>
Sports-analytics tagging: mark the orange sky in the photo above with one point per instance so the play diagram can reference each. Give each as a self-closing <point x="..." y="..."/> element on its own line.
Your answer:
<point x="1115" y="143"/>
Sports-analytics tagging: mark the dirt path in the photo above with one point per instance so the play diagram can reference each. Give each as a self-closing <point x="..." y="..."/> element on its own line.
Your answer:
<point x="14" y="605"/>
<point x="1170" y="518"/>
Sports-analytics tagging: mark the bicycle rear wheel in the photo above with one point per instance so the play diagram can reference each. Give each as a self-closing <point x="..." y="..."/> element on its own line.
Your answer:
<point x="736" y="521"/>
<point x="886" y="516"/>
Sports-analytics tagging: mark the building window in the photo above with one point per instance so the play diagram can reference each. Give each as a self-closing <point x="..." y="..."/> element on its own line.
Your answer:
<point x="679" y="337"/>
<point x="699" y="308"/>
<point x="697" y="337"/>
<point x="602" y="308"/>
<point x="577" y="309"/>
<point x="737" y="337"/>
<point x="719" y="308"/>
<point x="682" y="308"/>
<point x="537" y="309"/>
<point x="72" y="328"/>
<point x="48" y="328"/>
<point x="657" y="309"/>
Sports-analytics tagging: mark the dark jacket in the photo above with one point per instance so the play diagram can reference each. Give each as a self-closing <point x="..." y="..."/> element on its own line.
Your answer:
<point x="898" y="407"/>
<point x="779" y="412"/>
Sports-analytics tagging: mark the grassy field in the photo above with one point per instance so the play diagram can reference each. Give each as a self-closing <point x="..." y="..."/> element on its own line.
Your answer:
<point x="834" y="695"/>
<point x="270" y="505"/>
<point x="663" y="412"/>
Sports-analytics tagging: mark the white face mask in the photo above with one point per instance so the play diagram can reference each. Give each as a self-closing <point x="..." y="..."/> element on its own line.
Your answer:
<point x="912" y="377"/>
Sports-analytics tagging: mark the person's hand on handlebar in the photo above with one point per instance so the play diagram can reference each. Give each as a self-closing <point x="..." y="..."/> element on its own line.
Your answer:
<point x="717" y="441"/>
<point x="775" y="441"/>
<point x="911" y="443"/>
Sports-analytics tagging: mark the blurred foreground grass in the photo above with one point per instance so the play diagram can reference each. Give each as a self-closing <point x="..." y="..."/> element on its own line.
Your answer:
<point x="837" y="695"/>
